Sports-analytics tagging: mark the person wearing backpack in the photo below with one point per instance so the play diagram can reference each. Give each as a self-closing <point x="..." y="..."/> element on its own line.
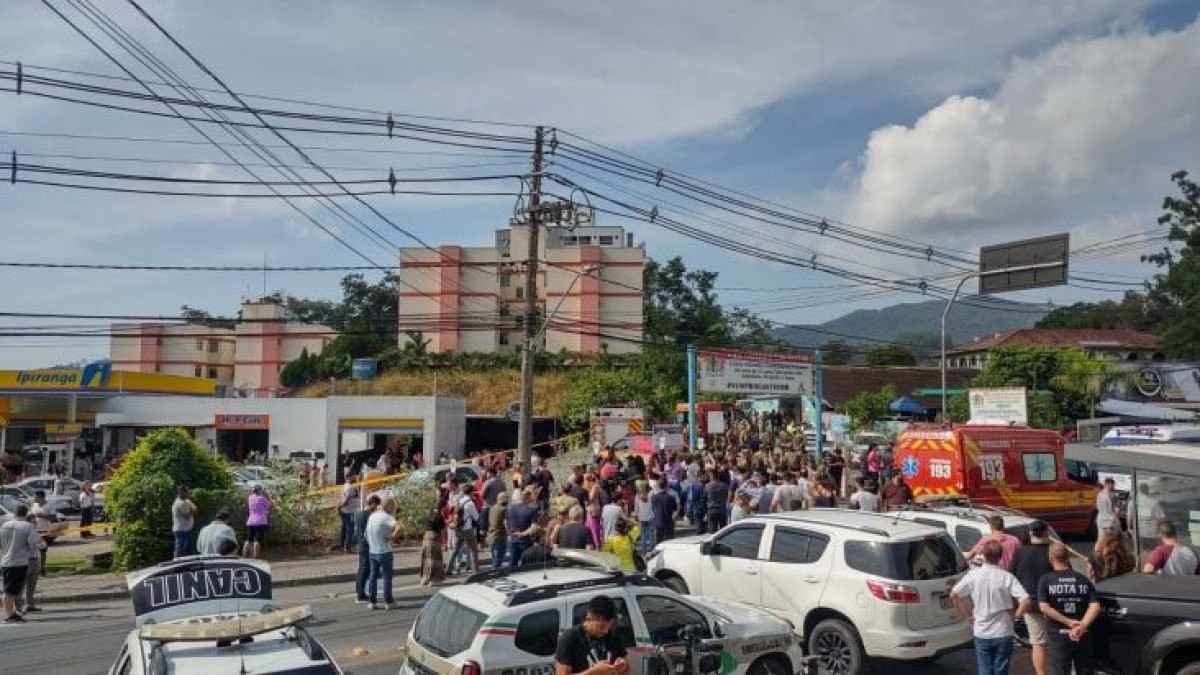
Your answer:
<point x="464" y="518"/>
<point x="1171" y="557"/>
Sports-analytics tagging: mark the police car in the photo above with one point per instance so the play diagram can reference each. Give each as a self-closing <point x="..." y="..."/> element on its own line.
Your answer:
<point x="507" y="622"/>
<point x="213" y="614"/>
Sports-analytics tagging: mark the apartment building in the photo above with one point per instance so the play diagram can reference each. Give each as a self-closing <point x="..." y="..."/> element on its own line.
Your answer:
<point x="244" y="360"/>
<point x="471" y="299"/>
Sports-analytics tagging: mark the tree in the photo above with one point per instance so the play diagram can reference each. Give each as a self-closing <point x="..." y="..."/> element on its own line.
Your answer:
<point x="680" y="308"/>
<point x="1174" y="296"/>
<point x="836" y="353"/>
<point x="891" y="355"/>
<point x="1130" y="312"/>
<point x="868" y="407"/>
<point x="143" y="489"/>
<point x="202" y="317"/>
<point x="1063" y="385"/>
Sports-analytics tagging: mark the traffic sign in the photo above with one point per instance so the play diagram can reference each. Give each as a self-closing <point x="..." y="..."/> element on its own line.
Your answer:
<point x="1025" y="264"/>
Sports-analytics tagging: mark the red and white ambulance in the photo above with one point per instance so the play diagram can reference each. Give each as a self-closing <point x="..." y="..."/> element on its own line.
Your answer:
<point x="998" y="465"/>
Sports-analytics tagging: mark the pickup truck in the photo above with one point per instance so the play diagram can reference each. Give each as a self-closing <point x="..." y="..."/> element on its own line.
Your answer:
<point x="1150" y="625"/>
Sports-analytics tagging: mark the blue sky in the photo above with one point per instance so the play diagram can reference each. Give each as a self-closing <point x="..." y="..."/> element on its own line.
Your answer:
<point x="953" y="123"/>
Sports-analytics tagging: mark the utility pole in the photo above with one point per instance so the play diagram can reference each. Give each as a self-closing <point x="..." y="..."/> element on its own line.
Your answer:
<point x="525" y="426"/>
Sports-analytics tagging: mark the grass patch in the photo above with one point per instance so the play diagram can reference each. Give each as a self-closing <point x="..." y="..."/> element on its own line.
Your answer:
<point x="486" y="392"/>
<point x="64" y="562"/>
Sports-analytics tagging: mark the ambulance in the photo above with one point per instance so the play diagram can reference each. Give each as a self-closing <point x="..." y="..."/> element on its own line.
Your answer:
<point x="997" y="465"/>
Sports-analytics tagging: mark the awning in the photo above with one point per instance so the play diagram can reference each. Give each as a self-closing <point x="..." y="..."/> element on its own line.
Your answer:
<point x="1174" y="458"/>
<point x="1147" y="411"/>
<point x="907" y="405"/>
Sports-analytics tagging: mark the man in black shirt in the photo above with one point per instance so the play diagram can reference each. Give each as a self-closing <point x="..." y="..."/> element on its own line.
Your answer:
<point x="1029" y="564"/>
<point x="574" y="534"/>
<point x="590" y="648"/>
<point x="1068" y="601"/>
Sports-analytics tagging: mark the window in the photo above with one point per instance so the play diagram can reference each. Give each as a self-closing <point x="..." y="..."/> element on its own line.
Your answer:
<point x="739" y="543"/>
<point x="624" y="629"/>
<point x="504" y="338"/>
<point x="606" y="240"/>
<point x="505" y="280"/>
<point x="199" y="344"/>
<point x="213" y="346"/>
<point x="212" y="373"/>
<point x="794" y="546"/>
<point x="199" y="372"/>
<point x="666" y="617"/>
<point x="933" y="557"/>
<point x="445" y="627"/>
<point x="520" y="291"/>
<point x="1040" y="467"/>
<point x="966" y="537"/>
<point x="537" y="633"/>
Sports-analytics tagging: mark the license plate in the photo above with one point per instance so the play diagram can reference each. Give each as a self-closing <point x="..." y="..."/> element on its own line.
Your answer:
<point x="946" y="602"/>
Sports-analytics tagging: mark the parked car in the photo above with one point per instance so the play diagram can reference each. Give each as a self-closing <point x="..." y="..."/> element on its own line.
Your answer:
<point x="60" y="503"/>
<point x="465" y="473"/>
<point x="856" y="585"/>
<point x="967" y="524"/>
<point x="508" y="621"/>
<point x="1148" y="625"/>
<point x="8" y="507"/>
<point x="249" y="475"/>
<point x="71" y="489"/>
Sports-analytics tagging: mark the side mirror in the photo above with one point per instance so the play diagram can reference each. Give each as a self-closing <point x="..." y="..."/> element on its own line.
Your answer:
<point x="718" y="631"/>
<point x="706" y="548"/>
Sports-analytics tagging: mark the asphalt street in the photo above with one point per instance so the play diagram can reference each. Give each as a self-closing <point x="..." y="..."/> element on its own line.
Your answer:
<point x="84" y="638"/>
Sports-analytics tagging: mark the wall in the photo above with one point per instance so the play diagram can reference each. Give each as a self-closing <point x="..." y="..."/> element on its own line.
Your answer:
<point x="295" y="423"/>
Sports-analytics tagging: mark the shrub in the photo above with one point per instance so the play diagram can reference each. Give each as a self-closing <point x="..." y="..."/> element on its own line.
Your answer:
<point x="140" y="496"/>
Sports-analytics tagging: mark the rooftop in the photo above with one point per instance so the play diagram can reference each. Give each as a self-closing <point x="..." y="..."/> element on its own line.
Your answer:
<point x="879" y="524"/>
<point x="1113" y="338"/>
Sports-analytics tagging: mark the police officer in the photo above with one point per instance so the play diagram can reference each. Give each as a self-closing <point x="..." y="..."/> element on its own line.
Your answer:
<point x="591" y="648"/>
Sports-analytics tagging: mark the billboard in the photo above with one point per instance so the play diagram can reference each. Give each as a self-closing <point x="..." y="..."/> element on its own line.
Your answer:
<point x="739" y="371"/>
<point x="1021" y="265"/>
<point x="1002" y="405"/>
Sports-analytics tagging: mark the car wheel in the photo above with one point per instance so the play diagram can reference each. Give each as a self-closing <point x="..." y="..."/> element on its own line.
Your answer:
<point x="768" y="665"/>
<point x="837" y="648"/>
<point x="676" y="584"/>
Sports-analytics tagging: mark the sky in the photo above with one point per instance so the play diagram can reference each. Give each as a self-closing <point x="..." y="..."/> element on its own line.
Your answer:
<point x="950" y="125"/>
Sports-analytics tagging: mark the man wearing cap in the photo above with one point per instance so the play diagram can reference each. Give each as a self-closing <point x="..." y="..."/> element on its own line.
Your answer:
<point x="1030" y="563"/>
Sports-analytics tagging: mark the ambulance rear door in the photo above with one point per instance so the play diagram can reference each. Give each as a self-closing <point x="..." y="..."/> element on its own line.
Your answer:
<point x="932" y="463"/>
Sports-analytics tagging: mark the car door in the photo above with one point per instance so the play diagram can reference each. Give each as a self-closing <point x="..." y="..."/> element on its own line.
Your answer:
<point x="795" y="571"/>
<point x="731" y="569"/>
<point x="631" y="636"/>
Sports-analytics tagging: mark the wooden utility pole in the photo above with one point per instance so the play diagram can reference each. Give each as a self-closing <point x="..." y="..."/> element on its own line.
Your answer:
<point x="525" y="426"/>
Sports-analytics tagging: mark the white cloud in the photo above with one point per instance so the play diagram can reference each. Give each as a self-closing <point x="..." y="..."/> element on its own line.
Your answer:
<point x="1065" y="135"/>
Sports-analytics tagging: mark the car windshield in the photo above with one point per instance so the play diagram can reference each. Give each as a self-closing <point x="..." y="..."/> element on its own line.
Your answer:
<point x="445" y="627"/>
<point x="932" y="557"/>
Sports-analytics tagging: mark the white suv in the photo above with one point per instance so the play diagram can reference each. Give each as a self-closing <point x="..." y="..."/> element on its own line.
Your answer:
<point x="968" y="524"/>
<point x="507" y="622"/>
<point x="856" y="585"/>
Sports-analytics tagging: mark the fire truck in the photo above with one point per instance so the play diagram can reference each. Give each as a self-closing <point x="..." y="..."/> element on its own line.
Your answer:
<point x="997" y="465"/>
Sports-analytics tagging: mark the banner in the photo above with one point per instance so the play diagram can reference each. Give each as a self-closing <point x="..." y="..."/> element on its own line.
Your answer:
<point x="737" y="371"/>
<point x="1004" y="405"/>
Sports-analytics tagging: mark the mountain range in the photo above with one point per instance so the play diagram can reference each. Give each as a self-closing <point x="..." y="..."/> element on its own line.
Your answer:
<point x="866" y="327"/>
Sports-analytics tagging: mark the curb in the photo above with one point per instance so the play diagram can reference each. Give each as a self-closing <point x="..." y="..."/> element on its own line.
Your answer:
<point x="116" y="594"/>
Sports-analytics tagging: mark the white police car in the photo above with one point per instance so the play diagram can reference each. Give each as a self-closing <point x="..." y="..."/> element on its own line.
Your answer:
<point x="508" y="623"/>
<point x="209" y="614"/>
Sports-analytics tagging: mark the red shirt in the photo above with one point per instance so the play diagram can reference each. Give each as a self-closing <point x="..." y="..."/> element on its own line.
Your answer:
<point x="1008" y="545"/>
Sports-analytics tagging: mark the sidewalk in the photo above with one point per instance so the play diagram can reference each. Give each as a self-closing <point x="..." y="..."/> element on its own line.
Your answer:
<point x="332" y="568"/>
